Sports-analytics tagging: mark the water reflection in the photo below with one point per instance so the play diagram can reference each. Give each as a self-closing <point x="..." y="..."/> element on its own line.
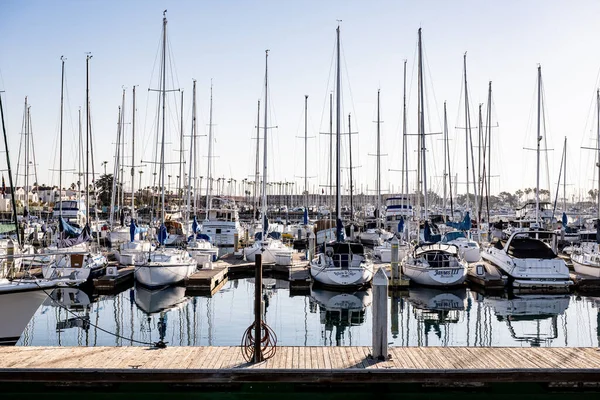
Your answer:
<point x="433" y="309"/>
<point x="419" y="317"/>
<point x="531" y="318"/>
<point x="339" y="311"/>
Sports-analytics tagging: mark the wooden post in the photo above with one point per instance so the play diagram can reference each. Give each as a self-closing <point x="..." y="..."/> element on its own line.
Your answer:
<point x="311" y="245"/>
<point x="235" y="242"/>
<point x="395" y="326"/>
<point x="258" y="356"/>
<point x="395" y="263"/>
<point x="380" y="315"/>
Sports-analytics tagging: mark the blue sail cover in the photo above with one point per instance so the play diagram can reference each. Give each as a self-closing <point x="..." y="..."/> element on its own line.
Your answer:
<point x="401" y="224"/>
<point x="132" y="230"/>
<point x="162" y="234"/>
<point x="598" y="231"/>
<point x="339" y="229"/>
<point x="265" y="223"/>
<point x="305" y="216"/>
<point x="68" y="241"/>
<point x="195" y="225"/>
<point x="565" y="221"/>
<point x="67" y="230"/>
<point x="199" y="236"/>
<point x="427" y="232"/>
<point x="464" y="225"/>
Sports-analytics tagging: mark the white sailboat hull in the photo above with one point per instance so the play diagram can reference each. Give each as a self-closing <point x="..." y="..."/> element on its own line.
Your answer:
<point x="165" y="268"/>
<point x="425" y="275"/>
<point x="16" y="310"/>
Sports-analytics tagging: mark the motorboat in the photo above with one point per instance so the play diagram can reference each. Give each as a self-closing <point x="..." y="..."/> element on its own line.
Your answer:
<point x="528" y="262"/>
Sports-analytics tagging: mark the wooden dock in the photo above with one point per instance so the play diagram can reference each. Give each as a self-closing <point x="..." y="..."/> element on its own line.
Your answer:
<point x="109" y="283"/>
<point x="425" y="365"/>
<point x="485" y="275"/>
<point x="207" y="281"/>
<point x="585" y="283"/>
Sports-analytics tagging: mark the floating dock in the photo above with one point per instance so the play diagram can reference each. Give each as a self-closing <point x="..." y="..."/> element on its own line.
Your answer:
<point x="485" y="275"/>
<point x="109" y="283"/>
<point x="585" y="283"/>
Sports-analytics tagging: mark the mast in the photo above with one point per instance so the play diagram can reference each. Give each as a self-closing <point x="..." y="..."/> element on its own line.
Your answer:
<point x="79" y="155"/>
<point x="87" y="137"/>
<point x="306" y="151"/>
<point x="445" y="174"/>
<point x="133" y="156"/>
<point x="264" y="181"/>
<point x="331" y="146"/>
<point x="422" y="127"/>
<point x="192" y="156"/>
<point x="10" y="179"/>
<point x="60" y="151"/>
<point x="351" y="178"/>
<point x="598" y="148"/>
<point x="164" y="95"/>
<point x="539" y="139"/>
<point x="257" y="169"/>
<point x="489" y="149"/>
<point x="404" y="142"/>
<point x="210" y="150"/>
<point x="565" y="176"/>
<point x="27" y="128"/>
<point x="338" y="197"/>
<point x="378" y="160"/>
<point x="115" y="170"/>
<point x="122" y="155"/>
<point x="180" y="179"/>
<point x="467" y="128"/>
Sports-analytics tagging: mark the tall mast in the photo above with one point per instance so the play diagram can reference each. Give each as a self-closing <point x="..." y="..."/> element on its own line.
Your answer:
<point x="115" y="171"/>
<point x="539" y="139"/>
<point x="351" y="178"/>
<point x="122" y="155"/>
<point x="210" y="156"/>
<point x="164" y="99"/>
<point x="404" y="142"/>
<point x="257" y="169"/>
<point x="60" y="151"/>
<point x="133" y="156"/>
<point x="378" y="160"/>
<point x="264" y="181"/>
<point x="87" y="137"/>
<point x="306" y="151"/>
<point x="565" y="176"/>
<point x="422" y="127"/>
<point x="598" y="147"/>
<point x="79" y="154"/>
<point x="181" y="170"/>
<point x="10" y="179"/>
<point x="467" y="128"/>
<point x="445" y="174"/>
<point x="489" y="149"/>
<point x="338" y="197"/>
<point x="192" y="155"/>
<point x="27" y="128"/>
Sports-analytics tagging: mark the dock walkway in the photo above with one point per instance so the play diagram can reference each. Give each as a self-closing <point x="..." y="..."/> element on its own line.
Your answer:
<point x="341" y="364"/>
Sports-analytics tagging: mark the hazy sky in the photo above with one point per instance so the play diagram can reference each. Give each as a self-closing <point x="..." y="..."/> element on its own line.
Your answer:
<point x="225" y="41"/>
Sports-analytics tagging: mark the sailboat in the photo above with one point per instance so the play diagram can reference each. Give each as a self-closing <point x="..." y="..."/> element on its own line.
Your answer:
<point x="431" y="264"/>
<point x="528" y="262"/>
<point x="71" y="254"/>
<point x="134" y="251"/>
<point x="341" y="263"/>
<point x="272" y="249"/>
<point x="164" y="266"/>
<point x="198" y="244"/>
<point x="586" y="258"/>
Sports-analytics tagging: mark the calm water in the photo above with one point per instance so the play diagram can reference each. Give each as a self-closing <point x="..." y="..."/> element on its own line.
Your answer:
<point x="422" y="317"/>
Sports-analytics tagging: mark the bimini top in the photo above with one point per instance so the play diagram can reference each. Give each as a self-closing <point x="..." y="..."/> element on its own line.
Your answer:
<point x="523" y="246"/>
<point x="346" y="248"/>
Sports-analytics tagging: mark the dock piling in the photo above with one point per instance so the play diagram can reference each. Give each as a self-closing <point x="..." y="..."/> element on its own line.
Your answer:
<point x="380" y="315"/>
<point x="395" y="263"/>
<point x="258" y="356"/>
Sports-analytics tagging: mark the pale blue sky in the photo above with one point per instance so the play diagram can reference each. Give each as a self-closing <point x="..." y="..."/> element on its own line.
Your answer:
<point x="225" y="41"/>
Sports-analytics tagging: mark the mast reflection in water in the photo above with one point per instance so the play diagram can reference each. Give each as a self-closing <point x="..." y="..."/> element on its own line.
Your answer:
<point x="319" y="317"/>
